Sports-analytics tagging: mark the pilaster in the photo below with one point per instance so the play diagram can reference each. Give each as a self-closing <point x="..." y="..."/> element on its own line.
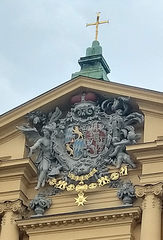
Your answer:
<point x="11" y="211"/>
<point x="151" y="205"/>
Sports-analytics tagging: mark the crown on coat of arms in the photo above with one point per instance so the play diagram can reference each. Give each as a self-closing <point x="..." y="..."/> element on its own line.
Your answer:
<point x="84" y="97"/>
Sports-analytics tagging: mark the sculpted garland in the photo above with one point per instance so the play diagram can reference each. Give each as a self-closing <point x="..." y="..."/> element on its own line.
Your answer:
<point x="78" y="147"/>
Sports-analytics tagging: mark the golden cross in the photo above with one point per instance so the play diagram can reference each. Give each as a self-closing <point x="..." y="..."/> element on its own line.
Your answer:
<point x="96" y="23"/>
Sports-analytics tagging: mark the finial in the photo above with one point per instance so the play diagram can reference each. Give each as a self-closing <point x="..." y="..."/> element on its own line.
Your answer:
<point x="97" y="23"/>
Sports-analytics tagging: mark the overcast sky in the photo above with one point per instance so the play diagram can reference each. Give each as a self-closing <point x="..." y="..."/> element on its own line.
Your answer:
<point x="42" y="40"/>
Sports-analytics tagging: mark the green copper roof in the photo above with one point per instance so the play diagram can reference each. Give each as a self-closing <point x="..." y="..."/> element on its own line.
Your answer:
<point x="93" y="65"/>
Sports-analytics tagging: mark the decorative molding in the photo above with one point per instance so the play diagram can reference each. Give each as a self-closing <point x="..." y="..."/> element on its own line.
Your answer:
<point x="132" y="214"/>
<point x="13" y="210"/>
<point x="14" y="206"/>
<point x="9" y="136"/>
<point x="156" y="202"/>
<point x="152" y="195"/>
<point x="3" y="222"/>
<point x="141" y="95"/>
<point x="142" y="191"/>
<point x="24" y="166"/>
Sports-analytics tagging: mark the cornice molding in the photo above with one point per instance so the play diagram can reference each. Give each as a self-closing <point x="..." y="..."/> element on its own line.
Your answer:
<point x="152" y="178"/>
<point x="15" y="194"/>
<point x="148" y="151"/>
<point x="9" y="136"/>
<point x="24" y="171"/>
<point x="114" y="216"/>
<point x="151" y="108"/>
<point x="142" y="95"/>
<point x="20" y="164"/>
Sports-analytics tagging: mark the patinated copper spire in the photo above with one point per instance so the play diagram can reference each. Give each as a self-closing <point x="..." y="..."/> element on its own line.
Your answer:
<point x="94" y="65"/>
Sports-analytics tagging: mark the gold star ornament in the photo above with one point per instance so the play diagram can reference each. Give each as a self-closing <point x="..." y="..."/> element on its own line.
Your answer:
<point x="81" y="199"/>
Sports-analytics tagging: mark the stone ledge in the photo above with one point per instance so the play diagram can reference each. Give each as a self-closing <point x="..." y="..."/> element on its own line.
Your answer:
<point x="131" y="214"/>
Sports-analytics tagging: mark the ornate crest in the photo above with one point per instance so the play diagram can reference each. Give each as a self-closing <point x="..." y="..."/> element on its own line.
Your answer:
<point x="96" y="137"/>
<point x="75" y="152"/>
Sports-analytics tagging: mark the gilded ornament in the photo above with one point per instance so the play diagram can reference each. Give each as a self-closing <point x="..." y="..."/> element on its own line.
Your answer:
<point x="97" y="24"/>
<point x="81" y="199"/>
<point x="81" y="187"/>
<point x="103" y="181"/>
<point x="52" y="181"/>
<point x="92" y="186"/>
<point x="61" y="185"/>
<point x="123" y="171"/>
<point x="70" y="187"/>
<point x="114" y="176"/>
<point x="83" y="177"/>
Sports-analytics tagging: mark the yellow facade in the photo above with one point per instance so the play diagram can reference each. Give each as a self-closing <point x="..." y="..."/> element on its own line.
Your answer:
<point x="103" y="217"/>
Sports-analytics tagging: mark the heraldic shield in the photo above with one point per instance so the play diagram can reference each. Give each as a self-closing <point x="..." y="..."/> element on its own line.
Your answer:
<point x="93" y="138"/>
<point x="74" y="141"/>
<point x="96" y="137"/>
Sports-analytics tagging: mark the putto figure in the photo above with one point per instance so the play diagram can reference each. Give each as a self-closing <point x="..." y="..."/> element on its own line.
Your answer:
<point x="92" y="136"/>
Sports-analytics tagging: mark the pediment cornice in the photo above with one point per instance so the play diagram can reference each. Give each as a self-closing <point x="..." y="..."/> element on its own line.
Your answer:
<point x="62" y="93"/>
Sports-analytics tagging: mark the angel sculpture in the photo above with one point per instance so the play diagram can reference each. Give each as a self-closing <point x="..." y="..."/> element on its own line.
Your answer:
<point x="44" y="143"/>
<point x="44" y="157"/>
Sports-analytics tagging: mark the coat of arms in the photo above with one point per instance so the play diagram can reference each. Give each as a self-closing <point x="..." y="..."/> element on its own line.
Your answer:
<point x="76" y="149"/>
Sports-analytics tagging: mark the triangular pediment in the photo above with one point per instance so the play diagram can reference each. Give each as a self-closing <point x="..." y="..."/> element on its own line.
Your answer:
<point x="145" y="100"/>
<point x="125" y="119"/>
<point x="60" y="96"/>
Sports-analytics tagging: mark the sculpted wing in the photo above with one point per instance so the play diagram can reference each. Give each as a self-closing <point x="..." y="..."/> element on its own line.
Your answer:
<point x="53" y="117"/>
<point x="133" y="118"/>
<point x="31" y="133"/>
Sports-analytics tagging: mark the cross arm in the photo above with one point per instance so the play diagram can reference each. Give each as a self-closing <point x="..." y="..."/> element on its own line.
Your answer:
<point x="90" y="24"/>
<point x="104" y="22"/>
